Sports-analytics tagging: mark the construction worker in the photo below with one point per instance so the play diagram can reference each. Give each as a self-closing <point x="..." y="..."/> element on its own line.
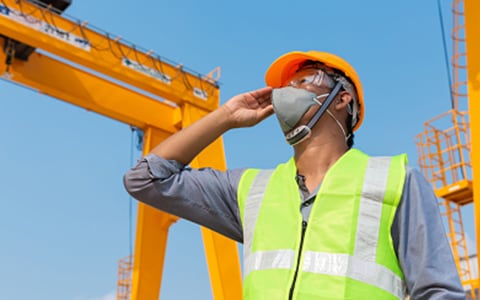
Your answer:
<point x="330" y="223"/>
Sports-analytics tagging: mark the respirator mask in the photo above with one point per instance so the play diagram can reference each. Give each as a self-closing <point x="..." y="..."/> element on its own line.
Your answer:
<point x="290" y="103"/>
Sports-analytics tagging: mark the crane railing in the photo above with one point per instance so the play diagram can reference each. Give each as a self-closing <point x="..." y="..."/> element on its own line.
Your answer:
<point x="444" y="156"/>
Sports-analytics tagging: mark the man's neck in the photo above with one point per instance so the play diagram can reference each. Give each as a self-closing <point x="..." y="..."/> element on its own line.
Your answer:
<point x="315" y="157"/>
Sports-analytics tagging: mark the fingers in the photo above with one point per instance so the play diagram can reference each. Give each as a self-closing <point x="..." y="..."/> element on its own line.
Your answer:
<point x="263" y="91"/>
<point x="266" y="112"/>
<point x="262" y="95"/>
<point x="264" y="98"/>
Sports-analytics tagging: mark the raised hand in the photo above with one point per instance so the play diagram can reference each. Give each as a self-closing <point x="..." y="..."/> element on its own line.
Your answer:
<point x="249" y="108"/>
<point x="240" y="111"/>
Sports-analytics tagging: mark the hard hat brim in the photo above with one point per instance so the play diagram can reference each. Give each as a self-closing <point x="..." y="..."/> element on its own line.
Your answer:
<point x="284" y="67"/>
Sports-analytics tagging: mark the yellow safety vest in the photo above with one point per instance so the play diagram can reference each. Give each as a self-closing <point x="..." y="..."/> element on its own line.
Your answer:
<point x="346" y="250"/>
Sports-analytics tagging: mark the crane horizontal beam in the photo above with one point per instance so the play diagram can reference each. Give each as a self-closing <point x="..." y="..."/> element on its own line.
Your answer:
<point x="74" y="41"/>
<point x="62" y="81"/>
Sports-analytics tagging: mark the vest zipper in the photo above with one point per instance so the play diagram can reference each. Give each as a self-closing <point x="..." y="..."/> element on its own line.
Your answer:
<point x="304" y="228"/>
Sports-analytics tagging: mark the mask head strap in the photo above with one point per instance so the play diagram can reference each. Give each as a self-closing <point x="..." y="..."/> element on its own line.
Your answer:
<point x="325" y="105"/>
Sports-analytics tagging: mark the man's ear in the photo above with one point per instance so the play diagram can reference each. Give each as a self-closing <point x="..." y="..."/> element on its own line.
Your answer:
<point x="343" y="99"/>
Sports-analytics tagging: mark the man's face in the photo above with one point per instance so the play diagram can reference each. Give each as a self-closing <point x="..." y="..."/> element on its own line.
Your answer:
<point x="315" y="78"/>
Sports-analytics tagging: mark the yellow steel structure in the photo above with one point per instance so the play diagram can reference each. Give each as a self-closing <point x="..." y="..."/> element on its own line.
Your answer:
<point x="444" y="158"/>
<point x="449" y="146"/>
<point x="127" y="90"/>
<point x="472" y="35"/>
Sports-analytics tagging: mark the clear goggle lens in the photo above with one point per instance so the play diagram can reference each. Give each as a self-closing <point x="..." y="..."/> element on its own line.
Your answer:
<point x="312" y="77"/>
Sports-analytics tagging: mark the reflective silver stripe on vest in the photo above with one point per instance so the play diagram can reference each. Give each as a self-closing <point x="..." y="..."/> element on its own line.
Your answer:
<point x="264" y="260"/>
<point x="250" y="214"/>
<point x="370" y="209"/>
<point x="362" y="265"/>
<point x="354" y="268"/>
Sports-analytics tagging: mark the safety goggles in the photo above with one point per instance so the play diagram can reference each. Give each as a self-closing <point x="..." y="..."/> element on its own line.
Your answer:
<point x="311" y="77"/>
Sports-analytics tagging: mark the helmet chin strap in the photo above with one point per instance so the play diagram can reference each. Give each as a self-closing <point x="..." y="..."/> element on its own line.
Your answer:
<point x="301" y="133"/>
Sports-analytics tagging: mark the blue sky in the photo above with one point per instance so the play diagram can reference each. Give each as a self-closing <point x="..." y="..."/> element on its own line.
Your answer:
<point x="64" y="221"/>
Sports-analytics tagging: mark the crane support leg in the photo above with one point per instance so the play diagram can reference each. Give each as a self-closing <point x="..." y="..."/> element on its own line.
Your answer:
<point x="472" y="36"/>
<point x="152" y="231"/>
<point x="222" y="253"/>
<point x="150" y="240"/>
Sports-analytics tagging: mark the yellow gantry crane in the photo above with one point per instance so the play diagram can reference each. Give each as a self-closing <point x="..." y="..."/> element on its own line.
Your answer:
<point x="62" y="57"/>
<point x="449" y="146"/>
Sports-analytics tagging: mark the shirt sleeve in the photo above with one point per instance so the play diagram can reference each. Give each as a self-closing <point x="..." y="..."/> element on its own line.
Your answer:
<point x="206" y="196"/>
<point x="421" y="243"/>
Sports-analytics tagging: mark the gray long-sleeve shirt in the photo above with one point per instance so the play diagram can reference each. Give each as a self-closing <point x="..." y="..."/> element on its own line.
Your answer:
<point x="209" y="197"/>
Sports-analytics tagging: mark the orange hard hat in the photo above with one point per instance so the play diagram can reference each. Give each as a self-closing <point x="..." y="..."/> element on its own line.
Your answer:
<point x="286" y="65"/>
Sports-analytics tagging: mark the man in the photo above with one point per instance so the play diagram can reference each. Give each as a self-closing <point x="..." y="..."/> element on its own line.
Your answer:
<point x="332" y="222"/>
